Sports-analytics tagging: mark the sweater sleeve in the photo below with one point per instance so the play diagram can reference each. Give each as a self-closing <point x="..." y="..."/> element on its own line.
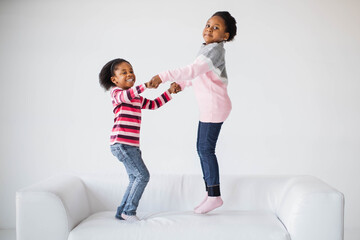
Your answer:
<point x="125" y="96"/>
<point x="157" y="102"/>
<point x="201" y="65"/>
<point x="184" y="84"/>
<point x="211" y="58"/>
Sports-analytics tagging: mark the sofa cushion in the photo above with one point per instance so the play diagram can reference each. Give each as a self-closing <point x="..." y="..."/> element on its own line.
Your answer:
<point x="240" y="225"/>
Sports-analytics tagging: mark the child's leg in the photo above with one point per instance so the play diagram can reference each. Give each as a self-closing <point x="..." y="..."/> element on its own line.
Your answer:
<point x="199" y="141"/>
<point x="120" y="209"/>
<point x="207" y="138"/>
<point x="137" y="167"/>
<point x="118" y="151"/>
<point x="130" y="156"/>
<point x="200" y="130"/>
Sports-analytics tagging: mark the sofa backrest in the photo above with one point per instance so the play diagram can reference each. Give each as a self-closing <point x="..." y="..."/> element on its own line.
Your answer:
<point x="184" y="192"/>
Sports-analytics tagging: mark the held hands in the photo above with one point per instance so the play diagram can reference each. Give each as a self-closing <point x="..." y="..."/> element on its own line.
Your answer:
<point x="174" y="88"/>
<point x="154" y="82"/>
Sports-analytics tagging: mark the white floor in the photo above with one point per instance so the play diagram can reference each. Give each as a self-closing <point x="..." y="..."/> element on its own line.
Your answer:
<point x="8" y="234"/>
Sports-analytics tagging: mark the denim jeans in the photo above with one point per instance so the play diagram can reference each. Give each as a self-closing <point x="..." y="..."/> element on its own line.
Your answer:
<point x="139" y="176"/>
<point x="208" y="134"/>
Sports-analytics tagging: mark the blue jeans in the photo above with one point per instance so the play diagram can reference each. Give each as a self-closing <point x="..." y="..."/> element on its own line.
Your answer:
<point x="139" y="176"/>
<point x="208" y="134"/>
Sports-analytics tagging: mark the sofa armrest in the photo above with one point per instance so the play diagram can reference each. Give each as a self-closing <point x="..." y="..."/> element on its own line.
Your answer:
<point x="311" y="209"/>
<point x="51" y="209"/>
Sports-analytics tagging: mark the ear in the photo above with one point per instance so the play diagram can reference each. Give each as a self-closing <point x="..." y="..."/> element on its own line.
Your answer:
<point x="113" y="79"/>
<point x="227" y="35"/>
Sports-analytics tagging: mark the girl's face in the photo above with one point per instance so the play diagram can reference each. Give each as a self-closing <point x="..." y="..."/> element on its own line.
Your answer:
<point x="124" y="76"/>
<point x="214" y="30"/>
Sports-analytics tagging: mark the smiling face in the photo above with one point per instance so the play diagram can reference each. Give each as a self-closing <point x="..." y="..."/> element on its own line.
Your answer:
<point x="124" y="76"/>
<point x="214" y="30"/>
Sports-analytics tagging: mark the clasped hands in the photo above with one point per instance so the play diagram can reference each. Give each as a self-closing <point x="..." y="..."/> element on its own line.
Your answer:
<point x="156" y="81"/>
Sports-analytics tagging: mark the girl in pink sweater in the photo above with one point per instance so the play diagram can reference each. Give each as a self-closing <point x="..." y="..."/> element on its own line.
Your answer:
<point x="207" y="74"/>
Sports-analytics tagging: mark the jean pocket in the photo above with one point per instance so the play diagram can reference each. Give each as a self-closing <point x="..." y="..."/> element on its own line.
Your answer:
<point x="116" y="151"/>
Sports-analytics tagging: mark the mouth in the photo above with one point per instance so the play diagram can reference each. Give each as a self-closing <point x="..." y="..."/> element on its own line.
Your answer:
<point x="130" y="80"/>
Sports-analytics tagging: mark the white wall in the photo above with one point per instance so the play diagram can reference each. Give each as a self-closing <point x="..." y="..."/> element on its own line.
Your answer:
<point x="294" y="80"/>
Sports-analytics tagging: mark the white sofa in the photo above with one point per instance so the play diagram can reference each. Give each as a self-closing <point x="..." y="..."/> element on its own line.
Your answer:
<point x="82" y="207"/>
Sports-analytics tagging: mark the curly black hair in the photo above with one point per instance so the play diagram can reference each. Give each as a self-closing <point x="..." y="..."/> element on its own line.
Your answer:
<point x="230" y="23"/>
<point x="108" y="71"/>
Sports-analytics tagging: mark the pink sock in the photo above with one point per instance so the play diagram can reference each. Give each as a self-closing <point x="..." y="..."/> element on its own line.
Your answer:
<point x="203" y="201"/>
<point x="210" y="204"/>
<point x="130" y="218"/>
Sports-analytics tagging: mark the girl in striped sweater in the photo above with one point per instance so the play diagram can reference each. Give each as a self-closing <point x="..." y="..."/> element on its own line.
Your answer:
<point x="118" y="77"/>
<point x="207" y="75"/>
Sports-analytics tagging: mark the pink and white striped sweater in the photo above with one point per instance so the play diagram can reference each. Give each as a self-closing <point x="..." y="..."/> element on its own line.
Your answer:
<point x="207" y="74"/>
<point x="127" y="109"/>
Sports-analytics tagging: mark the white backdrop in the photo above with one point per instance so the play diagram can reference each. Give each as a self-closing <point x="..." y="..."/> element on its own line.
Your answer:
<point x="294" y="80"/>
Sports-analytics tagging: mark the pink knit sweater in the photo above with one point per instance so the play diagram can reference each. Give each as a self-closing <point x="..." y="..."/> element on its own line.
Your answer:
<point x="207" y="74"/>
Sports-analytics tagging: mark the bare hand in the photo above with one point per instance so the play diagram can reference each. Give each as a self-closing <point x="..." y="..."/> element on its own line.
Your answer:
<point x="155" y="81"/>
<point x="148" y="84"/>
<point x="174" y="88"/>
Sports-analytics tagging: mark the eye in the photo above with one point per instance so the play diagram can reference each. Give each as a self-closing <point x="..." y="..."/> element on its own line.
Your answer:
<point x="207" y="25"/>
<point x="216" y="28"/>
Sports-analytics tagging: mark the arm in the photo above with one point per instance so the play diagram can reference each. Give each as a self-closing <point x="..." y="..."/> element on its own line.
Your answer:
<point x="311" y="209"/>
<point x="160" y="101"/>
<point x="185" y="84"/>
<point x="201" y="65"/>
<point x="51" y="209"/>
<point x="156" y="103"/>
<point x="125" y="96"/>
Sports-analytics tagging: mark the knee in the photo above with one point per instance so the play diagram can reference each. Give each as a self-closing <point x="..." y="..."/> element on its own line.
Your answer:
<point x="145" y="176"/>
<point x="131" y="178"/>
<point x="204" y="151"/>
